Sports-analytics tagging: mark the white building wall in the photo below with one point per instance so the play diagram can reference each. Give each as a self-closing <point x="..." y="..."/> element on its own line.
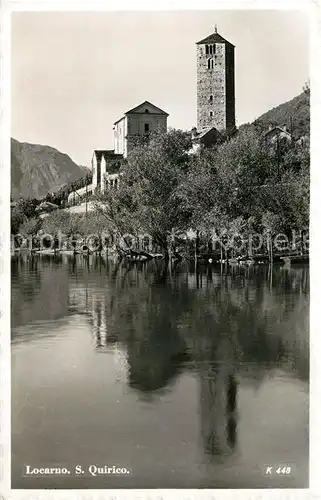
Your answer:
<point x="120" y="132"/>
<point x="103" y="172"/>
<point x="94" y="171"/>
<point x="125" y="144"/>
<point x="145" y="119"/>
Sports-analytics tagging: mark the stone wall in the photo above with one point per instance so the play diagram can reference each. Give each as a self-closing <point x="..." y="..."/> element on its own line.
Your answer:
<point x="137" y="124"/>
<point x="230" y="87"/>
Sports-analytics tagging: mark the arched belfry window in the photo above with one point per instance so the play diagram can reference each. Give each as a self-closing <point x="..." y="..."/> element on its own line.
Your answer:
<point x="209" y="49"/>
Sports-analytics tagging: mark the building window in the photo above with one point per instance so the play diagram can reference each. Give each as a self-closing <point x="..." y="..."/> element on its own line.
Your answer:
<point x="211" y="114"/>
<point x="210" y="49"/>
<point x="146" y="110"/>
<point x="146" y="128"/>
<point x="210" y="63"/>
<point x="211" y="98"/>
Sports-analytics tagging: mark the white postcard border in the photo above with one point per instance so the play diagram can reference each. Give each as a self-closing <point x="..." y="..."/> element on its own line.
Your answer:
<point x="6" y="7"/>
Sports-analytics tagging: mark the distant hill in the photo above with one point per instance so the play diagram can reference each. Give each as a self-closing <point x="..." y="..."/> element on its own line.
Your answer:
<point x="295" y="113"/>
<point x="85" y="169"/>
<point x="37" y="170"/>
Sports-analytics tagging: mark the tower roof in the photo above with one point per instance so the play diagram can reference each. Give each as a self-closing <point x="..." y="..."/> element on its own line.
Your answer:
<point x="214" y="38"/>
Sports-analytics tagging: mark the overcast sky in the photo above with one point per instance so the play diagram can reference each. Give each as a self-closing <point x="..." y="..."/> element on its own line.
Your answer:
<point x="74" y="73"/>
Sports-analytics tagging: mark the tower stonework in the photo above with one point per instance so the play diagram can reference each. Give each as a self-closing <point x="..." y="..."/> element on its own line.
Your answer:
<point x="215" y="83"/>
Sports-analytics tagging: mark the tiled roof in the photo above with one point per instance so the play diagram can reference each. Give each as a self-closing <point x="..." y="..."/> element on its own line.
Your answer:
<point x="119" y="120"/>
<point x="159" y="110"/>
<point x="214" y="38"/>
<point x="204" y="132"/>
<point x="280" y="129"/>
<point x="107" y="153"/>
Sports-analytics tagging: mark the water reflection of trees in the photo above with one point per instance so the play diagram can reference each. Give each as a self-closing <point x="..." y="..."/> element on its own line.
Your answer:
<point x="39" y="290"/>
<point x="25" y="275"/>
<point x="145" y="316"/>
<point x="217" y="325"/>
<point x="223" y="326"/>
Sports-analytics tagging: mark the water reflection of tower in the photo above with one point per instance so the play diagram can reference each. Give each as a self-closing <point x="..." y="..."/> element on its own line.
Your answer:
<point x="218" y="408"/>
<point x="99" y="321"/>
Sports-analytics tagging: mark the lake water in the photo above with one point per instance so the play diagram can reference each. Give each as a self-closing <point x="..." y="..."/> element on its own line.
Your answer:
<point x="182" y="379"/>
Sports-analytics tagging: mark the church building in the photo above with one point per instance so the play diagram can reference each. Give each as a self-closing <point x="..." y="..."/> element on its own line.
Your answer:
<point x="139" y="121"/>
<point x="215" y="114"/>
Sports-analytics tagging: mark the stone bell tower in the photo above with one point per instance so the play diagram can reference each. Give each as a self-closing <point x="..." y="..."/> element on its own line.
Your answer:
<point x="215" y="83"/>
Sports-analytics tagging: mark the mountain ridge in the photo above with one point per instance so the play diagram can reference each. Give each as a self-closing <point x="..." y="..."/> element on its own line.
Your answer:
<point x="294" y="114"/>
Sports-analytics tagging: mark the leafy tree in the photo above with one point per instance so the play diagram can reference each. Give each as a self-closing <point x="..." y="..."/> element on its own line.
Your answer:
<point x="238" y="186"/>
<point x="235" y="186"/>
<point x="61" y="222"/>
<point x="147" y="201"/>
<point x="30" y="227"/>
<point x="21" y="211"/>
<point x="17" y="218"/>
